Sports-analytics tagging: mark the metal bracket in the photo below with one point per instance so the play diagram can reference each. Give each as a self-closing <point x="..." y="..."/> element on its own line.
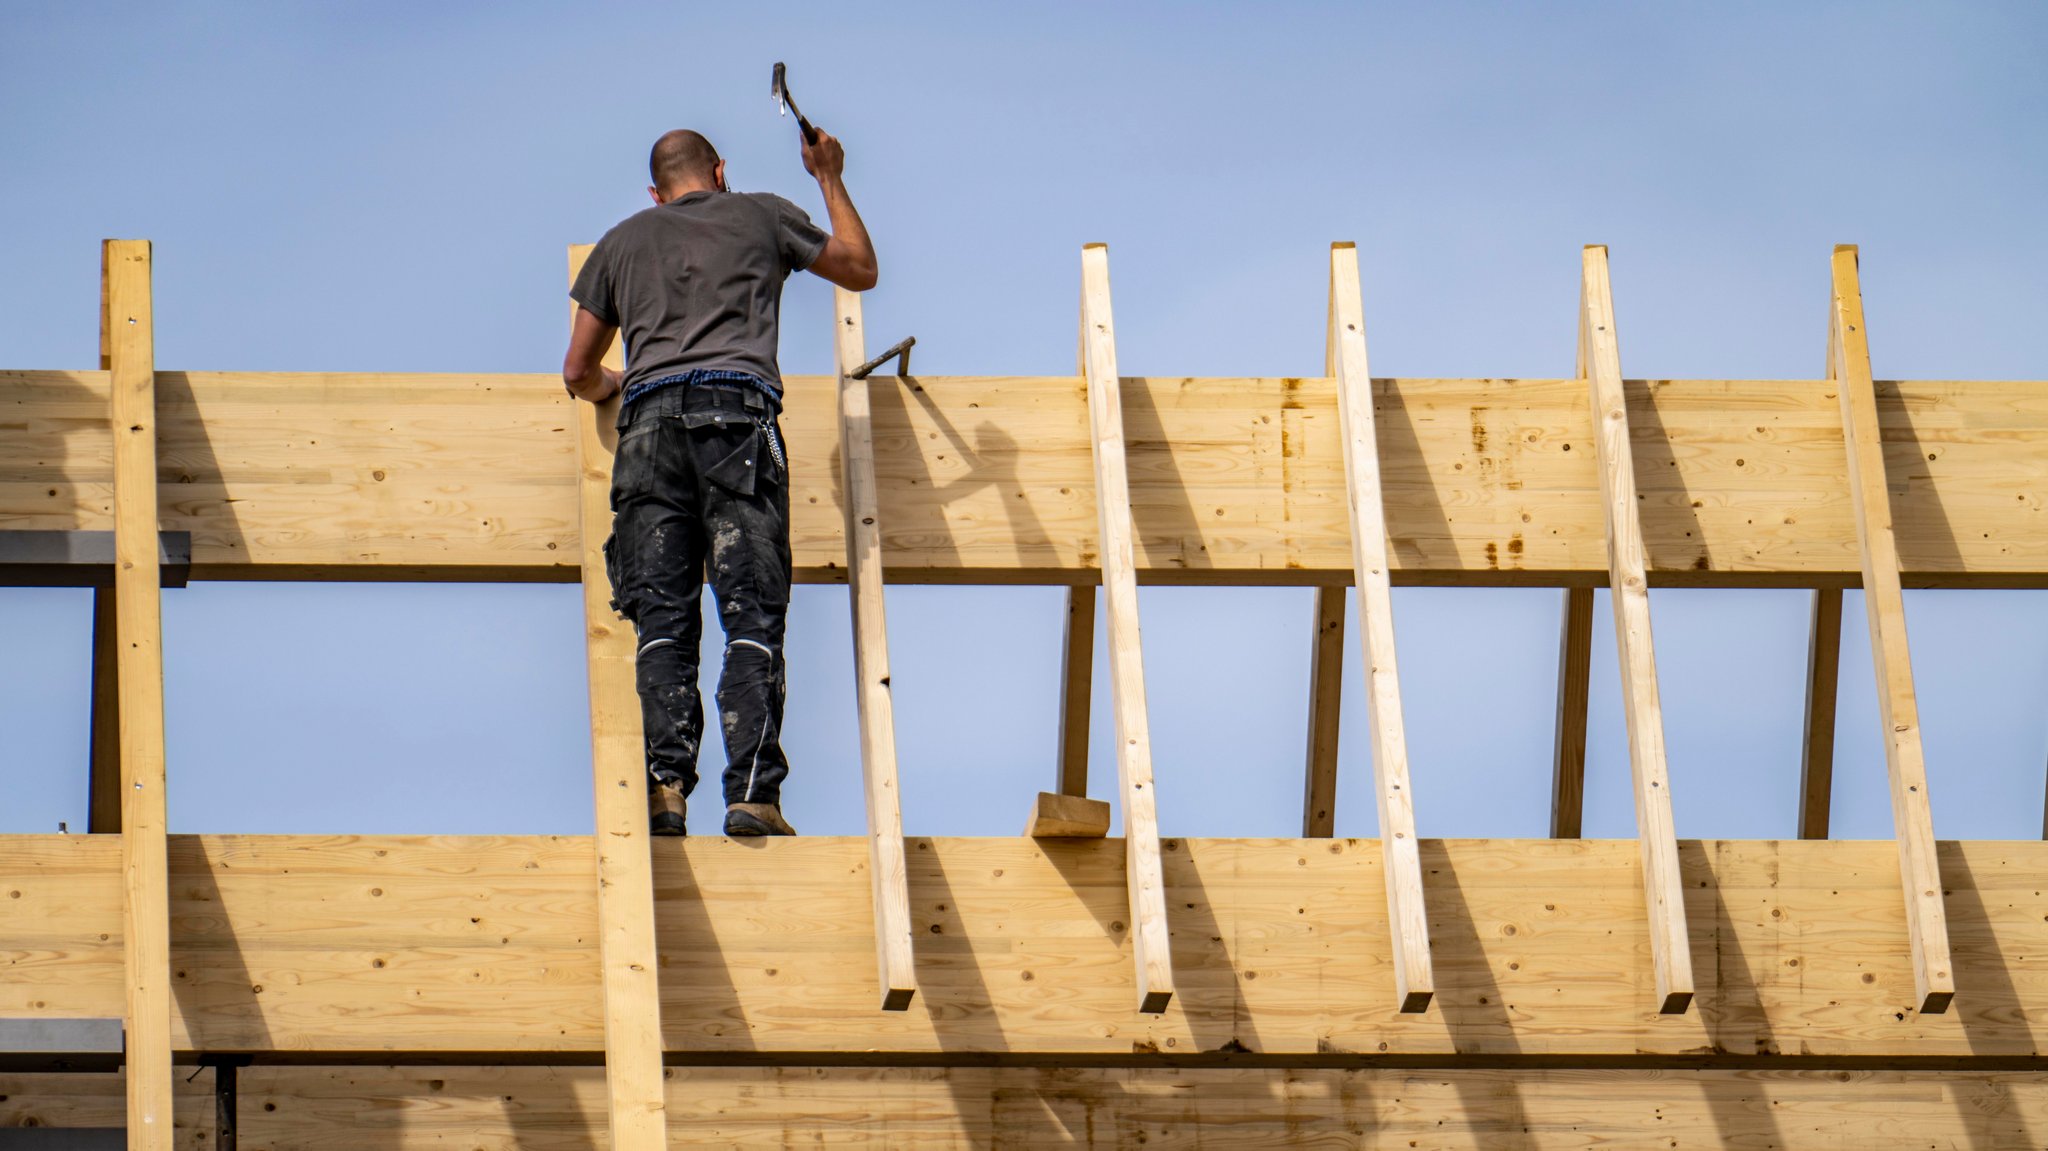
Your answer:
<point x="61" y="1045"/>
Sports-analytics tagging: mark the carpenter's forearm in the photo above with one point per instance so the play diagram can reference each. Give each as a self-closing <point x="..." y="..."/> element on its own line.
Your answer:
<point x="595" y="384"/>
<point x="846" y="222"/>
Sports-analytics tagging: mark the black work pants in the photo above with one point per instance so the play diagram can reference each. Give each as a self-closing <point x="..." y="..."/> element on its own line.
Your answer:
<point x="700" y="482"/>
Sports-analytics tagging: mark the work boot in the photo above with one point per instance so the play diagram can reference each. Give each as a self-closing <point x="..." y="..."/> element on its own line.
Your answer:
<point x="756" y="819"/>
<point x="665" y="808"/>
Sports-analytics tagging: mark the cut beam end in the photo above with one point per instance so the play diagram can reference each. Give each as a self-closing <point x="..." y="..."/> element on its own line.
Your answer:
<point x="1056" y="816"/>
<point x="1936" y="1002"/>
<point x="1416" y="1002"/>
<point x="1154" y="1002"/>
<point x="898" y="998"/>
<point x="1676" y="1003"/>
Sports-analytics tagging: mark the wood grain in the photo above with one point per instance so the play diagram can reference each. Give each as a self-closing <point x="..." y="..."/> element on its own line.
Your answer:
<point x="622" y="873"/>
<point x="988" y="479"/>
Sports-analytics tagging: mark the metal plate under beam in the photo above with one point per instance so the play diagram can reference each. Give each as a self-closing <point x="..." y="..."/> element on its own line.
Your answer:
<point x="82" y="559"/>
<point x="60" y="1045"/>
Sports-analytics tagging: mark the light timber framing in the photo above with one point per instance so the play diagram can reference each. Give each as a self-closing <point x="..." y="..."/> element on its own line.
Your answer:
<point x="1325" y="705"/>
<point x="1817" y="742"/>
<point x="130" y="344"/>
<point x="874" y="700"/>
<point x="1234" y="481"/>
<point x="1628" y="588"/>
<point x="1574" y="695"/>
<point x="1077" y="684"/>
<point x="1150" y="950"/>
<point x="618" y="758"/>
<point x="1344" y="360"/>
<point x="1885" y="607"/>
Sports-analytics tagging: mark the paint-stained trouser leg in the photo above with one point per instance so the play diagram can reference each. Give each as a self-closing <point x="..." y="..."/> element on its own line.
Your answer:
<point x="749" y="567"/>
<point x="656" y="561"/>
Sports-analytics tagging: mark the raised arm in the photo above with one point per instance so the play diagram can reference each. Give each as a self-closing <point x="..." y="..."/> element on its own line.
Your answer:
<point x="583" y="372"/>
<point x="848" y="258"/>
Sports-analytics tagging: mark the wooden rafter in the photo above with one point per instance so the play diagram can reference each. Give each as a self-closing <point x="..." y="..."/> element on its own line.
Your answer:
<point x="1344" y="359"/>
<point x="1325" y="703"/>
<point x="1885" y="606"/>
<point x="618" y="760"/>
<point x="1817" y="744"/>
<point x="1600" y="364"/>
<point x="1143" y="879"/>
<point x="1574" y="693"/>
<point x="129" y="340"/>
<point x="874" y="700"/>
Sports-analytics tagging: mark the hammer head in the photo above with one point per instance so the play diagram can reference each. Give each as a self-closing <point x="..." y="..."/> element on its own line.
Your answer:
<point x="780" y="89"/>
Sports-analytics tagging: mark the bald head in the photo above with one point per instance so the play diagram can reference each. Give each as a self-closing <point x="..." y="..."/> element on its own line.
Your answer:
<point x="683" y="159"/>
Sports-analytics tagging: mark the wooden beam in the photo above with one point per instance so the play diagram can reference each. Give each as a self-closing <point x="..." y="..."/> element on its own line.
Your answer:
<point x="1056" y="816"/>
<point x="618" y="759"/>
<point x="1574" y="694"/>
<point x="1149" y="947"/>
<point x="1077" y="685"/>
<point x="1226" y="490"/>
<point x="1325" y="702"/>
<point x="894" y="961"/>
<point x="361" y="948"/>
<point x="1600" y="364"/>
<point x="103" y="788"/>
<point x="1344" y="358"/>
<point x="138" y="613"/>
<point x="1885" y="607"/>
<point x="1817" y="747"/>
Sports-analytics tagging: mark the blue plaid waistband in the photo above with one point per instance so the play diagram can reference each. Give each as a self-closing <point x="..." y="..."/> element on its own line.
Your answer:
<point x="712" y="376"/>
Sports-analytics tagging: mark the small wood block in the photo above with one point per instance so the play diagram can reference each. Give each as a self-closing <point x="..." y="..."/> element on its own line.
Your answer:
<point x="1067" y="817"/>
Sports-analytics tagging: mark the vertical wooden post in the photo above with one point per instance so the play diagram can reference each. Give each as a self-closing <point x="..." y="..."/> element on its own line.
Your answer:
<point x="103" y="789"/>
<point x="876" y="706"/>
<point x="1325" y="701"/>
<point x="1817" y="748"/>
<point x="1077" y="682"/>
<point x="1574" y="693"/>
<point x="1344" y="359"/>
<point x="1885" y="606"/>
<point x="618" y="760"/>
<point x="1143" y="873"/>
<point x="138" y="611"/>
<point x="1600" y="366"/>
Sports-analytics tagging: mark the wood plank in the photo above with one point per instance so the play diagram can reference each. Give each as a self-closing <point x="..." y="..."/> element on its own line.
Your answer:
<point x="1150" y="952"/>
<point x="103" y="784"/>
<point x="370" y="946"/>
<point x="1885" y="607"/>
<point x="624" y="871"/>
<point x="558" y="1109"/>
<point x="1058" y="816"/>
<point x="1817" y="746"/>
<point x="894" y="963"/>
<point x="1574" y="695"/>
<point x="138" y="614"/>
<point x="1600" y="364"/>
<point x="1344" y="359"/>
<point x="1077" y="686"/>
<point x="1325" y="702"/>
<point x="989" y="480"/>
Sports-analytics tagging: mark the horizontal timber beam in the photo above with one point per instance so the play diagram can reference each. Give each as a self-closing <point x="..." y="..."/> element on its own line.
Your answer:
<point x="1233" y="481"/>
<point x="399" y="947"/>
<point x="557" y="1109"/>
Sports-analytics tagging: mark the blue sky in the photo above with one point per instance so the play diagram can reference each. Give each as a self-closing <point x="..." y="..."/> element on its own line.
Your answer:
<point x="387" y="187"/>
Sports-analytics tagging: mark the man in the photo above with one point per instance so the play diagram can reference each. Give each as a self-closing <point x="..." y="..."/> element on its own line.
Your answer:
<point x="695" y="284"/>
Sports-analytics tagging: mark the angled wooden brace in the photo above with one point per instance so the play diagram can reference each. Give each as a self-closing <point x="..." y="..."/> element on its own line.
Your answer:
<point x="618" y="761"/>
<point x="1885" y="605"/>
<point x="1344" y="358"/>
<point x="876" y="706"/>
<point x="1574" y="694"/>
<point x="1325" y="705"/>
<point x="1600" y="367"/>
<point x="1817" y="746"/>
<point x="1143" y="873"/>
<point x="129" y="340"/>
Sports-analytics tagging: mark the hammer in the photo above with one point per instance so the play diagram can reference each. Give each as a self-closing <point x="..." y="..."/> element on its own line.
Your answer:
<point x="784" y="105"/>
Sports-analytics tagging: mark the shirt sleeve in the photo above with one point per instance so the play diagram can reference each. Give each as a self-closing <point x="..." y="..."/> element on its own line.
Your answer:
<point x="796" y="238"/>
<point x="596" y="283"/>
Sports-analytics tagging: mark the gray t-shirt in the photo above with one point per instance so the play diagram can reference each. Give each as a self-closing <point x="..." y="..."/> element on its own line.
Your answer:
<point x="696" y="283"/>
